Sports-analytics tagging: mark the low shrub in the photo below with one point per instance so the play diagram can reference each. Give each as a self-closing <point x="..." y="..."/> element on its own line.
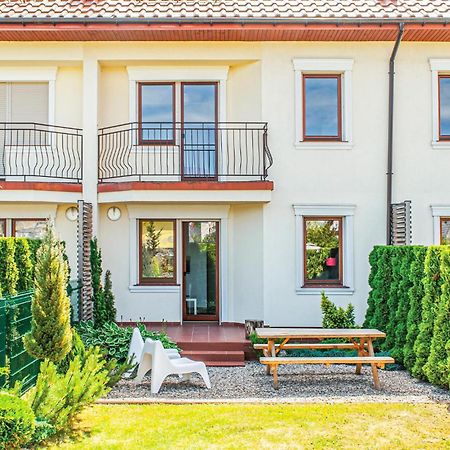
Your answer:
<point x="43" y="430"/>
<point x="114" y="341"/>
<point x="335" y="316"/>
<point x="16" y="422"/>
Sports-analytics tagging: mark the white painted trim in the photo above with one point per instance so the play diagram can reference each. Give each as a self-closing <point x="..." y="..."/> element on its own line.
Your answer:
<point x="345" y="211"/>
<point x="437" y="66"/>
<point x="18" y="74"/>
<point x="154" y="289"/>
<point x="437" y="212"/>
<point x="343" y="66"/>
<point x="223" y="271"/>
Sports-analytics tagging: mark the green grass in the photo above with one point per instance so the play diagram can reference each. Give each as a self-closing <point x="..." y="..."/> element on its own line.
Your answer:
<point x="316" y="426"/>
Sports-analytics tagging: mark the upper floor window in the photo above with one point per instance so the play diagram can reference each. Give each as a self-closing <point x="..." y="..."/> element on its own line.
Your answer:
<point x="322" y="251"/>
<point x="444" y="107"/>
<point x="445" y="230"/>
<point x="157" y="112"/>
<point x="322" y="111"/>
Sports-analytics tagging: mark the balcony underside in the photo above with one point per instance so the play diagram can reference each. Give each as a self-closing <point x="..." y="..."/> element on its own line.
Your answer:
<point x="46" y="192"/>
<point x="186" y="192"/>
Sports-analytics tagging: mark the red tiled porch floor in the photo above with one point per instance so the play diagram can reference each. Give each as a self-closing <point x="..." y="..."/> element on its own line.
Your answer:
<point x="216" y="345"/>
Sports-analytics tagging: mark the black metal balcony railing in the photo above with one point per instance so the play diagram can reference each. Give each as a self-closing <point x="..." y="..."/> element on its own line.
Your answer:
<point x="229" y="151"/>
<point x="33" y="151"/>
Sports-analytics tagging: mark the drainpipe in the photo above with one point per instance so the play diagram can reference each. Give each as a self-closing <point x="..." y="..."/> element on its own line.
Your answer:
<point x="391" y="132"/>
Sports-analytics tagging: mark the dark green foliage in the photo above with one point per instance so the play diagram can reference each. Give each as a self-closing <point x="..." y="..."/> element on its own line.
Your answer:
<point x="16" y="422"/>
<point x="416" y="295"/>
<point x="34" y="245"/>
<point x="9" y="273"/>
<point x="395" y="294"/>
<point x="114" y="340"/>
<point x="58" y="398"/>
<point x="24" y="265"/>
<point x="401" y="316"/>
<point x="373" y="262"/>
<point x="110" y="309"/>
<point x="50" y="336"/>
<point x="335" y="316"/>
<point x="437" y="367"/>
<point x="381" y="283"/>
<point x="43" y="431"/>
<point x="432" y="290"/>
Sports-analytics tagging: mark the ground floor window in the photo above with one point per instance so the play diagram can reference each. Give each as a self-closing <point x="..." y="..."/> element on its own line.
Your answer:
<point x="2" y="227"/>
<point x="157" y="251"/>
<point x="445" y="230"/>
<point x="29" y="228"/>
<point x="322" y="250"/>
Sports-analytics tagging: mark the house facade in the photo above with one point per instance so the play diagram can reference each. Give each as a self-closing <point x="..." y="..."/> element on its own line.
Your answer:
<point x="235" y="153"/>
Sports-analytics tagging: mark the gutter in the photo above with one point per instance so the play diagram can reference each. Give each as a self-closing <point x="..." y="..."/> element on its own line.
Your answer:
<point x="390" y="148"/>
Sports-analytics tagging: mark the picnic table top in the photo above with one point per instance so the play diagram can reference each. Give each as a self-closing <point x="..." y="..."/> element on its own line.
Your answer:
<point x="307" y="333"/>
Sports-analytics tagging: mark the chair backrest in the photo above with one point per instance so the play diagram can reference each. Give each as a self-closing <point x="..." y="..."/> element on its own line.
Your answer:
<point x="136" y="347"/>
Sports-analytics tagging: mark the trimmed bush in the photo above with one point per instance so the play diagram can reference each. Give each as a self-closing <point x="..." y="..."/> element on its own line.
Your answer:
<point x="373" y="261"/>
<point x="335" y="316"/>
<point x="9" y="273"/>
<point x="50" y="336"/>
<point x="416" y="295"/>
<point x="432" y="290"/>
<point x="16" y="422"/>
<point x="110" y="309"/>
<point x="437" y="367"/>
<point x="401" y="315"/>
<point x="24" y="265"/>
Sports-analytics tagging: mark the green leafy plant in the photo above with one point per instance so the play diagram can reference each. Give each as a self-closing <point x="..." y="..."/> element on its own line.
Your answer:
<point x="43" y="430"/>
<point x="432" y="291"/>
<point x="114" y="340"/>
<point x="50" y="336"/>
<point x="373" y="262"/>
<point x="24" y="265"/>
<point x="16" y="422"/>
<point x="110" y="309"/>
<point x="335" y="316"/>
<point x="437" y="368"/>
<point x="59" y="398"/>
<point x="9" y="273"/>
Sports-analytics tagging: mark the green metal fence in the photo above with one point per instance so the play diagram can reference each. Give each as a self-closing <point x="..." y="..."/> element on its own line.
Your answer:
<point x="15" y="322"/>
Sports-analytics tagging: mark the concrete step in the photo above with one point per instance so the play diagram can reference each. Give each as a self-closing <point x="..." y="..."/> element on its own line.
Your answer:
<point x="216" y="358"/>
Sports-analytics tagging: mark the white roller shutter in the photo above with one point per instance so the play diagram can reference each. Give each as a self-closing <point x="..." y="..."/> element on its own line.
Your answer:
<point x="29" y="102"/>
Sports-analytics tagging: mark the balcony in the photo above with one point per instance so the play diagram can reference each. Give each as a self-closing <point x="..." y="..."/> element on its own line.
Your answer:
<point x="184" y="152"/>
<point x="34" y="152"/>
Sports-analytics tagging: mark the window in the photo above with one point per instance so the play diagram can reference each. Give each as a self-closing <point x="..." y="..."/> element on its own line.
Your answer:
<point x="445" y="231"/>
<point x="2" y="227"/>
<point x="322" y="251"/>
<point x="157" y="256"/>
<point x="444" y="107"/>
<point x="29" y="228"/>
<point x="157" y="113"/>
<point x="322" y="115"/>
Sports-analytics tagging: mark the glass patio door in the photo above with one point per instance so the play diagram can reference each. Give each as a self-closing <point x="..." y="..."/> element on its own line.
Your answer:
<point x="199" y="130"/>
<point x="200" y="270"/>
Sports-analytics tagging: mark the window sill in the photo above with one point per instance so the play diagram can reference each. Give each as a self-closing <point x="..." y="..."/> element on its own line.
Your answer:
<point x="154" y="289"/>
<point x="327" y="290"/>
<point x="323" y="145"/>
<point x="441" y="145"/>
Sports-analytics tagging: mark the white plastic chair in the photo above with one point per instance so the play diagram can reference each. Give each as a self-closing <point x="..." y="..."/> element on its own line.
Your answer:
<point x="136" y="348"/>
<point x="154" y="357"/>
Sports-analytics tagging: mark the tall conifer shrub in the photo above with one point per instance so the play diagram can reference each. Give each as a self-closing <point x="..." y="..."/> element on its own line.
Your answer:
<point x="373" y="261"/>
<point x="9" y="273"/>
<point x="24" y="265"/>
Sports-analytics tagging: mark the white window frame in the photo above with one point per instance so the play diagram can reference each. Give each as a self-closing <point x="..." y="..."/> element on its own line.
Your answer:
<point x="437" y="212"/>
<point x="437" y="67"/>
<point x="343" y="67"/>
<point x="34" y="75"/>
<point x="347" y="213"/>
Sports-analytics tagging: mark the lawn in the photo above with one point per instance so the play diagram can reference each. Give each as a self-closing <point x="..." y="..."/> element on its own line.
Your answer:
<point x="311" y="426"/>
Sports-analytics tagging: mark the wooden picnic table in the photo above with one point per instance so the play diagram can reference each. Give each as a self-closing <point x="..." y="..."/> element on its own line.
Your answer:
<point x="359" y="339"/>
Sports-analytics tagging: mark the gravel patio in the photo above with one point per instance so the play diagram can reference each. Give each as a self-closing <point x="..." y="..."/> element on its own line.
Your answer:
<point x="297" y="384"/>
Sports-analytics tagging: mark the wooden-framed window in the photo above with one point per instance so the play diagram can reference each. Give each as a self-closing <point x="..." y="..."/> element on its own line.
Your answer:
<point x="156" y="113"/>
<point x="322" y="107"/>
<point x="29" y="228"/>
<point x="444" y="107"/>
<point x="157" y="251"/>
<point x="323" y="251"/>
<point x="2" y="227"/>
<point x="445" y="230"/>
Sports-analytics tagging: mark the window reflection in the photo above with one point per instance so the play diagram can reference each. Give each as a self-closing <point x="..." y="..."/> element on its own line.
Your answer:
<point x="29" y="228"/>
<point x="444" y="106"/>
<point x="445" y="231"/>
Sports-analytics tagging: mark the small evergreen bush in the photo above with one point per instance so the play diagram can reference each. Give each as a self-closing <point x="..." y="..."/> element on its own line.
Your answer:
<point x="9" y="273"/>
<point x="432" y="291"/>
<point x="373" y="262"/>
<point x="416" y="294"/>
<point x="43" y="431"/>
<point x="24" y="265"/>
<point x="437" y="367"/>
<point x="16" y="422"/>
<point x="110" y="309"/>
<point x="335" y="316"/>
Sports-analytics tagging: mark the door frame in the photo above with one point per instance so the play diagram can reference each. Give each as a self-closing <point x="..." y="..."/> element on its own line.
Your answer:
<point x="206" y="317"/>
<point x="216" y="120"/>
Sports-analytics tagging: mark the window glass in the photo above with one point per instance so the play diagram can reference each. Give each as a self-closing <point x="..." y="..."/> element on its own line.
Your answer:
<point x="157" y="252"/>
<point x="323" y="250"/>
<point x="2" y="227"/>
<point x="321" y="106"/>
<point x="445" y="230"/>
<point x="29" y="228"/>
<point x="444" y="106"/>
<point x="157" y="112"/>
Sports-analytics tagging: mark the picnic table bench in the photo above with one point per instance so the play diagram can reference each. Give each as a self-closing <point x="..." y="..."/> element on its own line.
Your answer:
<point x="360" y="339"/>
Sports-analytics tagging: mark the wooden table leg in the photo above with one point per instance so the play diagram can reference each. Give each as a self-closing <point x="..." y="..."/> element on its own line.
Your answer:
<point x="270" y="352"/>
<point x="275" y="375"/>
<point x="376" y="379"/>
<point x="360" y="353"/>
